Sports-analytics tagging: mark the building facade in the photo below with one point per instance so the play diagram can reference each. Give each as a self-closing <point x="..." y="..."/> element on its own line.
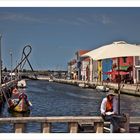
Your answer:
<point x="72" y="72"/>
<point x="136" y="71"/>
<point x="125" y="67"/>
<point x="106" y="67"/>
<point x="81" y="63"/>
<point x="85" y="68"/>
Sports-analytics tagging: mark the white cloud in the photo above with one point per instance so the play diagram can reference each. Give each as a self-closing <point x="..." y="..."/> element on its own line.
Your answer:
<point x="20" y="17"/>
<point x="83" y="20"/>
<point x="66" y="19"/>
<point x="105" y="19"/>
<point x="102" y="18"/>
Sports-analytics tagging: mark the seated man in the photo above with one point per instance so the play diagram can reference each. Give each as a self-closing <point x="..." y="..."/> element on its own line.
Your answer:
<point x="109" y="111"/>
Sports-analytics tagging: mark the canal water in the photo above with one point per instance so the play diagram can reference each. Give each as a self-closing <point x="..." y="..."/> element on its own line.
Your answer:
<point x="55" y="99"/>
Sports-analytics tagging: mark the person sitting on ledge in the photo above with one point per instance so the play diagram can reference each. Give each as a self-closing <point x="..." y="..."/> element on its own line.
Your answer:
<point x="109" y="111"/>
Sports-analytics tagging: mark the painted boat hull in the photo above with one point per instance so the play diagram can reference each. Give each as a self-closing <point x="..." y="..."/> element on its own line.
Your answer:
<point x="20" y="106"/>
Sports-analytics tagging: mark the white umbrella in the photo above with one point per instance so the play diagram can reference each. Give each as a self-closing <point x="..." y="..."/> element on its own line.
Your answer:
<point x="114" y="50"/>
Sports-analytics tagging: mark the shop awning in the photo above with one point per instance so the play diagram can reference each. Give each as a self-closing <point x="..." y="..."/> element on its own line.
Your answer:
<point x="116" y="73"/>
<point x="125" y="68"/>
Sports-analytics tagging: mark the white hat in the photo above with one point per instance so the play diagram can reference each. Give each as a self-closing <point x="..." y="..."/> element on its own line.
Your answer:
<point x="111" y="92"/>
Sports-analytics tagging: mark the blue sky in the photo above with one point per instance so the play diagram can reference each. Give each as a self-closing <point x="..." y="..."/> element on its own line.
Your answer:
<point x="55" y="34"/>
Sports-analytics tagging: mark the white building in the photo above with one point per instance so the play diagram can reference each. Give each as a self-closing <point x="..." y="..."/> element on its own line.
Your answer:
<point x="136" y="71"/>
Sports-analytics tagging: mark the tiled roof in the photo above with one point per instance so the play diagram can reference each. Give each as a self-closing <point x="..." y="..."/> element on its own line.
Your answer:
<point x="86" y="59"/>
<point x="81" y="52"/>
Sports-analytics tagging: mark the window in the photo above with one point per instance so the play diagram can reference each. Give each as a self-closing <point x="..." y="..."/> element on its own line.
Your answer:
<point x="138" y="78"/>
<point x="124" y="59"/>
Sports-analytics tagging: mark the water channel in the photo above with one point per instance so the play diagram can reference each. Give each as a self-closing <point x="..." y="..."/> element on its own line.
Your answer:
<point x="55" y="99"/>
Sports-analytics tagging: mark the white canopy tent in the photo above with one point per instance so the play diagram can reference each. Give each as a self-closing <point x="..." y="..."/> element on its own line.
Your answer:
<point x="114" y="50"/>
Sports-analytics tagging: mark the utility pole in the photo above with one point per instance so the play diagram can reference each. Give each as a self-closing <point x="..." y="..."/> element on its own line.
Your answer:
<point x="0" y="62"/>
<point x="11" y="62"/>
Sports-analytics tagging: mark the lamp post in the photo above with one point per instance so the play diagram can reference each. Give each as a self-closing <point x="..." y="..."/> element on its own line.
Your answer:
<point x="0" y="61"/>
<point x="11" y="63"/>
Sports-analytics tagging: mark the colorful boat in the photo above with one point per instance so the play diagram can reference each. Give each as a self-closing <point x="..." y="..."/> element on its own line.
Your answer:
<point x="20" y="105"/>
<point x="18" y="114"/>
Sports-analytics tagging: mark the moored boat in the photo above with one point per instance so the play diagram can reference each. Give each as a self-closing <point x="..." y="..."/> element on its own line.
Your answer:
<point x="21" y="83"/>
<point x="102" y="88"/>
<point x="20" y="105"/>
<point x="50" y="80"/>
<point x="83" y="85"/>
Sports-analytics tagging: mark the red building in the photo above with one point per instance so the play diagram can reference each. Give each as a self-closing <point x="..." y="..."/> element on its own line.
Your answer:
<point x="125" y="68"/>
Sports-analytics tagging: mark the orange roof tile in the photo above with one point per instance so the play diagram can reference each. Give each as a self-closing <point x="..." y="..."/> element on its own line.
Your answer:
<point x="87" y="59"/>
<point x="81" y="52"/>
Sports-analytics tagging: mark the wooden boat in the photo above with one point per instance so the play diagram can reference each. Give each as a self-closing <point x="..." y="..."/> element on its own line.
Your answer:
<point x="20" y="105"/>
<point x="102" y="88"/>
<point x="18" y="114"/>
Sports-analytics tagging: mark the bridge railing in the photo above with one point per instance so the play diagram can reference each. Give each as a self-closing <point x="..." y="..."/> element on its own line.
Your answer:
<point x="19" y="123"/>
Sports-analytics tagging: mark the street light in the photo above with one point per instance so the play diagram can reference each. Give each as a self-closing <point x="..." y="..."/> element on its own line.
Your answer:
<point x="0" y="61"/>
<point x="11" y="63"/>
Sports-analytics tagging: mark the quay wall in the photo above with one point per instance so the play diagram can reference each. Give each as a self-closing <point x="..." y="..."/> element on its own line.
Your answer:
<point x="131" y="89"/>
